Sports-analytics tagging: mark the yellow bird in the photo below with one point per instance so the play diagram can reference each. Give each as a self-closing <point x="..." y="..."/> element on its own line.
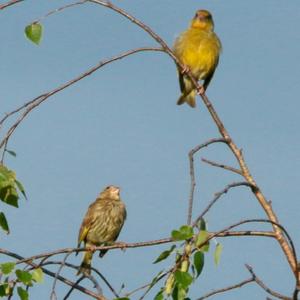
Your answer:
<point x="101" y="225"/>
<point x="198" y="48"/>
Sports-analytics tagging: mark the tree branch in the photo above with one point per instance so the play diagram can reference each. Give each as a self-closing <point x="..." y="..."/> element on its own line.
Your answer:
<point x="217" y="197"/>
<point x="228" y="168"/>
<point x="29" y="106"/>
<point x="52" y="274"/>
<point x="192" y="173"/>
<point x="9" y="3"/>
<point x="226" y="289"/>
<point x="263" y="286"/>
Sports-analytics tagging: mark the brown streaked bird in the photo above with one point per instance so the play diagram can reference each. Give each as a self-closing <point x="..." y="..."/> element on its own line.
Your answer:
<point x="101" y="225"/>
<point x="198" y="48"/>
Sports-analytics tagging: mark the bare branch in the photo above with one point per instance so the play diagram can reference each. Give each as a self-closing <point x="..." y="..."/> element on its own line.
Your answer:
<point x="294" y="255"/>
<point x="53" y="294"/>
<point x="246" y="233"/>
<point x="52" y="274"/>
<point x="192" y="173"/>
<point x="263" y="286"/>
<point x="228" y="168"/>
<point x="226" y="289"/>
<point x="76" y="268"/>
<point x="41" y="98"/>
<point x="9" y="3"/>
<point x="217" y="197"/>
<point x="60" y="9"/>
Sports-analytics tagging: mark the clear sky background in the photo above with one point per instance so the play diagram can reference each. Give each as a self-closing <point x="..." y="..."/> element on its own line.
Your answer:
<point x="121" y="126"/>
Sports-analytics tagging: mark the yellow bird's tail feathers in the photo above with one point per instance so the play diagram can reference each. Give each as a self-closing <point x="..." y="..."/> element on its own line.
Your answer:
<point x="190" y="99"/>
<point x="188" y="92"/>
<point x="85" y="267"/>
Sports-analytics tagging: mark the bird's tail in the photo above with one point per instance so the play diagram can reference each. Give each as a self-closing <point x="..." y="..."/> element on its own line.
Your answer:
<point x="85" y="267"/>
<point x="188" y="91"/>
<point x="190" y="99"/>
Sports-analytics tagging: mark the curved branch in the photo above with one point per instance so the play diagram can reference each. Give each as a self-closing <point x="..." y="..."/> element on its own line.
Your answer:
<point x="217" y="197"/>
<point x="9" y="3"/>
<point x="226" y="289"/>
<point x="192" y="173"/>
<point x="76" y="268"/>
<point x="294" y="255"/>
<point x="222" y="166"/>
<point x="263" y="286"/>
<point x="29" y="106"/>
<point x="52" y="274"/>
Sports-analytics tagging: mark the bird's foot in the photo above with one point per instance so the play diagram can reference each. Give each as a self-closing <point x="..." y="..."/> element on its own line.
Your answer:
<point x="185" y="69"/>
<point x="123" y="246"/>
<point x="92" y="248"/>
<point x="201" y="90"/>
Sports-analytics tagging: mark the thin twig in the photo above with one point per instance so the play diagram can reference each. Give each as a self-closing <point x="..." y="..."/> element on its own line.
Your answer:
<point x="211" y="236"/>
<point x="45" y="263"/>
<point x="9" y="3"/>
<point x="114" y="246"/>
<point x="52" y="274"/>
<point x="29" y="106"/>
<point x="60" y="9"/>
<point x="225" y="167"/>
<point x="192" y="173"/>
<point x="226" y="289"/>
<point x="217" y="197"/>
<point x="53" y="294"/>
<point x="72" y="288"/>
<point x="263" y="285"/>
<point x="151" y="285"/>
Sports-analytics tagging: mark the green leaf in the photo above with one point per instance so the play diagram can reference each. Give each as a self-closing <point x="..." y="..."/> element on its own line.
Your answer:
<point x="198" y="262"/>
<point x="185" y="232"/>
<point x="34" y="32"/>
<point x="7" y="268"/>
<point x="202" y="224"/>
<point x="24" y="276"/>
<point x="179" y="292"/>
<point x="164" y="254"/>
<point x="3" y="223"/>
<point x="217" y="254"/>
<point x="23" y="294"/>
<point x="201" y="238"/>
<point x="159" y="295"/>
<point x="4" y="289"/>
<point x="21" y="188"/>
<point x="183" y="278"/>
<point x="38" y="275"/>
<point x="12" y="153"/>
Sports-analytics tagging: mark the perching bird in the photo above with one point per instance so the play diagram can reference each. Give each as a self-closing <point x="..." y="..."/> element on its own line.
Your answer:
<point x="101" y="225"/>
<point x="198" y="48"/>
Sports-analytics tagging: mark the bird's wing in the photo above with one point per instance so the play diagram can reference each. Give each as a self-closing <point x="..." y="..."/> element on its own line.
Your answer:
<point x="87" y="222"/>
<point x="181" y="81"/>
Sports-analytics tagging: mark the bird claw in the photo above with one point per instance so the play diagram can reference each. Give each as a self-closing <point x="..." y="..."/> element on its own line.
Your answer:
<point x="185" y="69"/>
<point x="123" y="246"/>
<point x="92" y="248"/>
<point x="201" y="90"/>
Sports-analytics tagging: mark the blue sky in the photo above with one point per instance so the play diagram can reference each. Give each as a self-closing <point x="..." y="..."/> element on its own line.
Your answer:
<point x="121" y="126"/>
